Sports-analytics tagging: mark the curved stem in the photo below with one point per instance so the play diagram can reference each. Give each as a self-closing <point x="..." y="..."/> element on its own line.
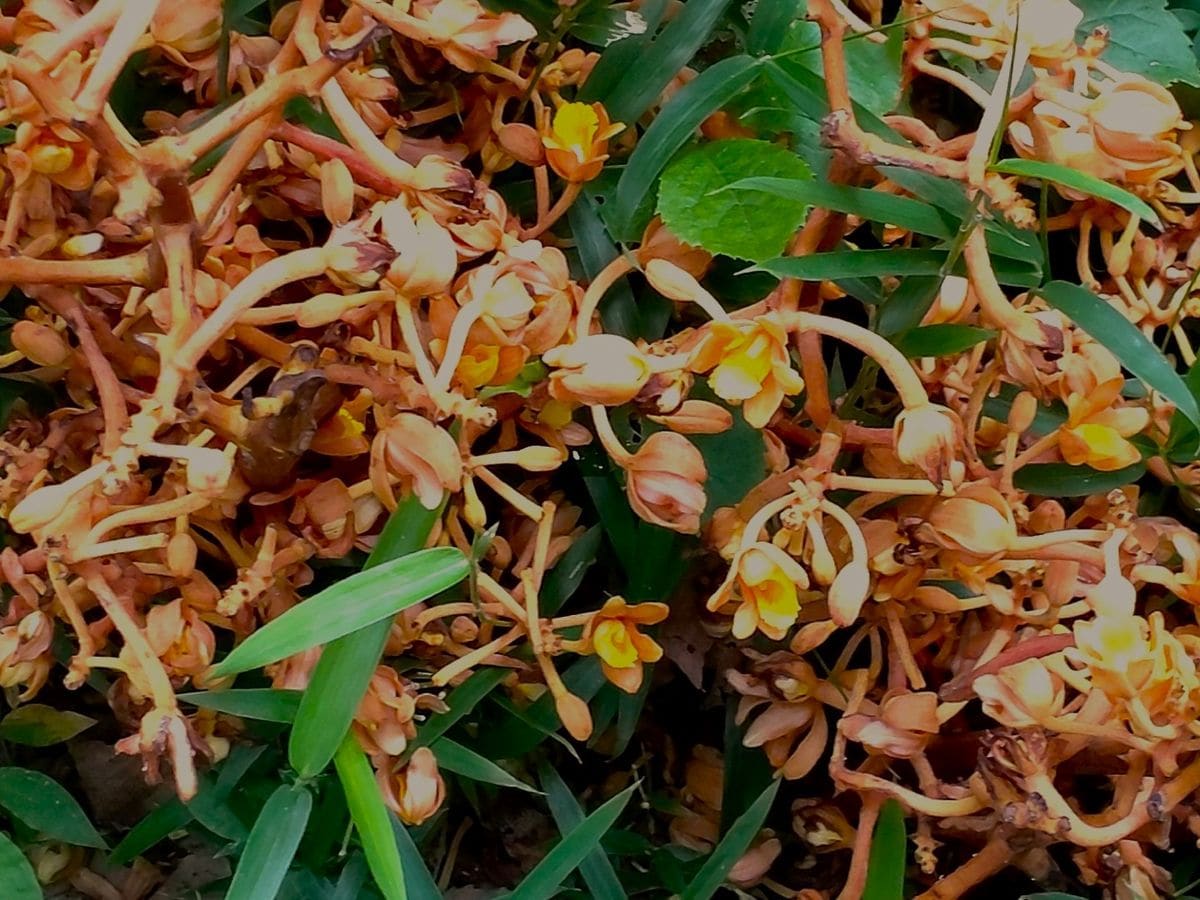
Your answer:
<point x="617" y="268"/>
<point x="608" y="438"/>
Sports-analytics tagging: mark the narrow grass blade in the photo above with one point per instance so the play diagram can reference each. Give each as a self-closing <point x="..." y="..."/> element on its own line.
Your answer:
<point x="736" y="841"/>
<point x="454" y="757"/>
<point x="370" y="819"/>
<point x="941" y="339"/>
<point x="596" y="868"/>
<point x="1134" y="350"/>
<point x="417" y="877"/>
<point x="544" y="880"/>
<point x="877" y="263"/>
<point x="45" y="806"/>
<point x="889" y="853"/>
<point x="1079" y="181"/>
<point x="263" y="704"/>
<point x="355" y="602"/>
<point x="17" y="879"/>
<point x="459" y="702"/>
<point x="272" y="844"/>
<point x="344" y="670"/>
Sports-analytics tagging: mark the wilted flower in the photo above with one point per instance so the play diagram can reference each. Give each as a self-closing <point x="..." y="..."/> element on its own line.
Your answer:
<point x="600" y="368"/>
<point x="424" y="454"/>
<point x="928" y="437"/>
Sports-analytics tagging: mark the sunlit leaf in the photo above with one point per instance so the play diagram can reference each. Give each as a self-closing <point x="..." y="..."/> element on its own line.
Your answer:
<point x="1143" y="37"/>
<point x="263" y="704"/>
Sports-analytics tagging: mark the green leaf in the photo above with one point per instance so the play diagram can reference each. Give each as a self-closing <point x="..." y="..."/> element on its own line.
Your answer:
<point x="601" y="24"/>
<point x="877" y="263"/>
<point x="667" y="53"/>
<point x="371" y="820"/>
<point x="872" y="70"/>
<point x="263" y="704"/>
<point x="272" y="844"/>
<point x="614" y="63"/>
<point x="736" y="458"/>
<point x="544" y="880"/>
<point x="38" y="725"/>
<point x="1079" y="181"/>
<point x="745" y="225"/>
<point x="459" y="703"/>
<point x="1144" y="38"/>
<point x="770" y="24"/>
<point x="45" y="806"/>
<point x="417" y="878"/>
<point x="903" y="212"/>
<point x="158" y="823"/>
<point x="564" y="579"/>
<point x="1065" y="480"/>
<point x="671" y="129"/>
<point x="735" y="843"/>
<point x="596" y="868"/>
<point x="1134" y="350"/>
<point x="312" y="116"/>
<point x="17" y="878"/>
<point x="454" y="757"/>
<point x="344" y="670"/>
<point x="941" y="340"/>
<point x="889" y="854"/>
<point x="362" y="599"/>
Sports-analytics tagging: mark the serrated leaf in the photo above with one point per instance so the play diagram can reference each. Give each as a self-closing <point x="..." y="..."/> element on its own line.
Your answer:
<point x="272" y="844"/>
<point x="733" y="845"/>
<point x="1144" y="39"/>
<point x="747" y="225"/>
<point x="889" y="855"/>
<point x="941" y="339"/>
<point x="1123" y="339"/>
<point x="1079" y="181"/>
<point x="371" y="820"/>
<point x="454" y="757"/>
<point x="38" y="725"/>
<point x="544" y="880"/>
<point x="45" y="806"/>
<point x="362" y="599"/>
<point x="17" y="878"/>
<point x="1065" y="480"/>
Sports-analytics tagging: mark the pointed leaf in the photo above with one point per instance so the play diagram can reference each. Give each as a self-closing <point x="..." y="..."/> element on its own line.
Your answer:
<point x="371" y="820"/>
<point x="417" y="877"/>
<point x="45" y="806"/>
<point x="596" y="868"/>
<point x="272" y="844"/>
<point x="263" y="704"/>
<point x="1079" y="181"/>
<point x="38" y="725"/>
<point x="454" y="757"/>
<point x="889" y="854"/>
<point x="17" y="878"/>
<point x="1065" y="480"/>
<point x="735" y="843"/>
<point x="941" y="339"/>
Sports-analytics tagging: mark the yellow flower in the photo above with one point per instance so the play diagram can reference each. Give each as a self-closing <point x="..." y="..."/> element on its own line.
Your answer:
<point x="767" y="581"/>
<point x="749" y="364"/>
<point x="576" y="140"/>
<point x="1096" y="431"/>
<point x="613" y="635"/>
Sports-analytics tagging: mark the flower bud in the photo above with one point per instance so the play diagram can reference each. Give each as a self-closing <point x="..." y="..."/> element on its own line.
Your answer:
<point x="671" y="281"/>
<point x="575" y="715"/>
<point x="417" y="791"/>
<point x="927" y="437"/>
<point x="848" y="593"/>
<point x="81" y="245"/>
<point x="665" y="482"/>
<point x="522" y="143"/>
<point x="603" y="369"/>
<point x="539" y="459"/>
<point x="181" y="555"/>
<point x="697" y="417"/>
<point x="40" y="344"/>
<point x="977" y="521"/>
<point x="208" y="470"/>
<point x="337" y="192"/>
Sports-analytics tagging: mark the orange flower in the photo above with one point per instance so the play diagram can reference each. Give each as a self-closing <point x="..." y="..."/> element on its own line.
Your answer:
<point x="601" y="368"/>
<point x="613" y="635"/>
<point x="665" y="482"/>
<point x="180" y="638"/>
<point x="749" y="364"/>
<point x="416" y="791"/>
<point x="767" y="582"/>
<point x="576" y="140"/>
<point x="420" y="451"/>
<point x="1096" y="430"/>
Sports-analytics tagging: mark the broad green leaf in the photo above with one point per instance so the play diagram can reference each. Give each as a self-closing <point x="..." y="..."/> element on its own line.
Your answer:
<point x="45" y="806"/>
<point x="1124" y="340"/>
<point x="17" y="878"/>
<point x="263" y="704"/>
<point x="158" y="823"/>
<point x="1065" y="480"/>
<point x="747" y="225"/>
<point x="877" y="263"/>
<point x="667" y="53"/>
<point x="903" y="212"/>
<point x="614" y="63"/>
<point x="544" y="880"/>
<point x="1144" y="38"/>
<point x="736" y="842"/>
<point x="872" y="70"/>
<point x="272" y="844"/>
<point x="371" y="820"/>
<point x="459" y="703"/>
<point x="344" y="670"/>
<point x="38" y="725"/>
<point x="671" y="129"/>
<point x="362" y="599"/>
<point x="417" y="877"/>
<point x="539" y="13"/>
<point x="941" y="339"/>
<point x="889" y="855"/>
<point x="771" y="24"/>
<point x="1079" y="181"/>
<point x="454" y="757"/>
<point x="596" y="868"/>
<point x="601" y="24"/>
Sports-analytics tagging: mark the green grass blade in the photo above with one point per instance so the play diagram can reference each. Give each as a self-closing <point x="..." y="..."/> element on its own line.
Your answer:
<point x="417" y="877"/>
<point x="370" y="817"/>
<point x="673" y="127"/>
<point x="454" y="757"/>
<point x="1079" y="181"/>
<point x="941" y="339"/>
<point x="17" y="879"/>
<point x="362" y="599"/>
<point x="45" y="806"/>
<point x="546" y="877"/>
<point x="736" y="842"/>
<point x="263" y="704"/>
<point x="1065" y="480"/>
<point x="596" y="868"/>
<point x="344" y="670"/>
<point x="1126" y="342"/>
<point x="889" y="853"/>
<point x="459" y="703"/>
<point x="877" y="263"/>
<point x="272" y="844"/>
